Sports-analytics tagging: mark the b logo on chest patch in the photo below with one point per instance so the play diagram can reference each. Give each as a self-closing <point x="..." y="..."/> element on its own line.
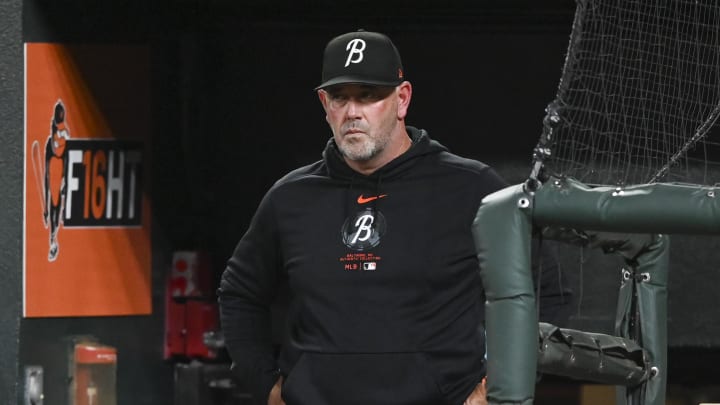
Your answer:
<point x="363" y="230"/>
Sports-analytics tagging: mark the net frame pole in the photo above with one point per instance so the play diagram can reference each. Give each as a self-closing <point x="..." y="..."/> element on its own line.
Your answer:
<point x="662" y="208"/>
<point x="651" y="209"/>
<point x="502" y="231"/>
<point x="502" y="234"/>
<point x="642" y="316"/>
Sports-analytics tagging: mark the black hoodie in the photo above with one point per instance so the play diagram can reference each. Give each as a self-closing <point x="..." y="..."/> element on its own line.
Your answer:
<point x="386" y="297"/>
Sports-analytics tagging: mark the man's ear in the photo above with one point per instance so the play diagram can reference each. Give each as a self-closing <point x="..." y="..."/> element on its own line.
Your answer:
<point x="404" y="95"/>
<point x="322" y="95"/>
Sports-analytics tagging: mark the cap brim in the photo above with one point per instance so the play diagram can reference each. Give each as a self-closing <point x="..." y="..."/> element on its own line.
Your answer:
<point x="355" y="80"/>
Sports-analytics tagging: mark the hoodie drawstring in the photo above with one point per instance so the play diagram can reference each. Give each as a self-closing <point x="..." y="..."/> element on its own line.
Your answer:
<point x="376" y="201"/>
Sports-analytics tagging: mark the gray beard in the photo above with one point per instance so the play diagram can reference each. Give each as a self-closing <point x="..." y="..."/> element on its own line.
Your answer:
<point x="361" y="152"/>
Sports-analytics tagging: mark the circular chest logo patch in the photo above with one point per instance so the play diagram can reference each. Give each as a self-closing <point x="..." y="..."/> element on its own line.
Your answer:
<point x="363" y="230"/>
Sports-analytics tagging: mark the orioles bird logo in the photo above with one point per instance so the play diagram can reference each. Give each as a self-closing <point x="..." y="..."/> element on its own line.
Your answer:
<point x="50" y="175"/>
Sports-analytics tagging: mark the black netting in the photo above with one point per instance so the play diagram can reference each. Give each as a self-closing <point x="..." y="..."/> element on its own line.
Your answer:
<point x="639" y="94"/>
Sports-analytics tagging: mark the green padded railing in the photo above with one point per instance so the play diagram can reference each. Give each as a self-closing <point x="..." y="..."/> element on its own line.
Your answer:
<point x="502" y="231"/>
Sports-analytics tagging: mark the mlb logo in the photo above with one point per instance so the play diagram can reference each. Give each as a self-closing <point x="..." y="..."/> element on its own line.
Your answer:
<point x="369" y="266"/>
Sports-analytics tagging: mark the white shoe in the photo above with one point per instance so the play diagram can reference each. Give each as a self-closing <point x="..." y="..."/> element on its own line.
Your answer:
<point x="54" y="248"/>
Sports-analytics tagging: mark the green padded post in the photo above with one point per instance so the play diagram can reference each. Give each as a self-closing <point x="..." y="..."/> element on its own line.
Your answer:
<point x="502" y="232"/>
<point x="649" y="276"/>
<point x="646" y="208"/>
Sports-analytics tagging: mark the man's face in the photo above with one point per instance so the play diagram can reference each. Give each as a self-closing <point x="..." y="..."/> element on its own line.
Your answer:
<point x="362" y="118"/>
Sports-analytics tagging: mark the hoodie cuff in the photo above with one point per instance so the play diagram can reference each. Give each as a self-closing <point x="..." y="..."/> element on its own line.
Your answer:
<point x="265" y="383"/>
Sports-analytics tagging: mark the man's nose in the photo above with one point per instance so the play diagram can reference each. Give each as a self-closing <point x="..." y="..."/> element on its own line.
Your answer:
<point x="353" y="108"/>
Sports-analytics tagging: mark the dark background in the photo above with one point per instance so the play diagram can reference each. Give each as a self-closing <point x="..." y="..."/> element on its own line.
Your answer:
<point x="233" y="110"/>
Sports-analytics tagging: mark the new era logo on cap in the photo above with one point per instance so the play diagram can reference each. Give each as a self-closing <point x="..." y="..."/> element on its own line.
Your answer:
<point x="361" y="57"/>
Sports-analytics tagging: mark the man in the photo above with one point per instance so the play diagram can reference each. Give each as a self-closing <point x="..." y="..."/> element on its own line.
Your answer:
<point x="374" y="242"/>
<point x="55" y="168"/>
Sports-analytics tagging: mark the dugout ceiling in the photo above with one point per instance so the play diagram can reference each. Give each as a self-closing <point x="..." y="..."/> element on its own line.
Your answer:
<point x="139" y="20"/>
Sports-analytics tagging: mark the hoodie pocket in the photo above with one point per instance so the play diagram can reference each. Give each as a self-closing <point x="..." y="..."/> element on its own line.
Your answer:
<point x="361" y="379"/>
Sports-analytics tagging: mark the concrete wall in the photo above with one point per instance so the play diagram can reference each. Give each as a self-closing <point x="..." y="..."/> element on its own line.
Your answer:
<point x="11" y="152"/>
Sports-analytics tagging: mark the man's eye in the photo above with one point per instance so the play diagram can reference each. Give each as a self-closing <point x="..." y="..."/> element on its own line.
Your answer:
<point x="369" y="95"/>
<point x="338" y="97"/>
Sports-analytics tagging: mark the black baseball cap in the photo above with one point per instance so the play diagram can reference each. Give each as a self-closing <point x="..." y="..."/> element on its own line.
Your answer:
<point x="361" y="57"/>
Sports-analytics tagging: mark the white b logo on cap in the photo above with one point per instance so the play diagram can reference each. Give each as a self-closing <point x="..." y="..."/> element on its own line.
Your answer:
<point x="356" y="48"/>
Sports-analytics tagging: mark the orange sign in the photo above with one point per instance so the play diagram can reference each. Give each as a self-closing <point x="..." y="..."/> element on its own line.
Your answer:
<point x="87" y="208"/>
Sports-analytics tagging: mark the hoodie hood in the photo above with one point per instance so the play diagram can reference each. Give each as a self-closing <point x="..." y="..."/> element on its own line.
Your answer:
<point x="421" y="146"/>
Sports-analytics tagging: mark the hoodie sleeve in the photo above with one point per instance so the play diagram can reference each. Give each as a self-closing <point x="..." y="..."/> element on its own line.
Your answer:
<point x="247" y="289"/>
